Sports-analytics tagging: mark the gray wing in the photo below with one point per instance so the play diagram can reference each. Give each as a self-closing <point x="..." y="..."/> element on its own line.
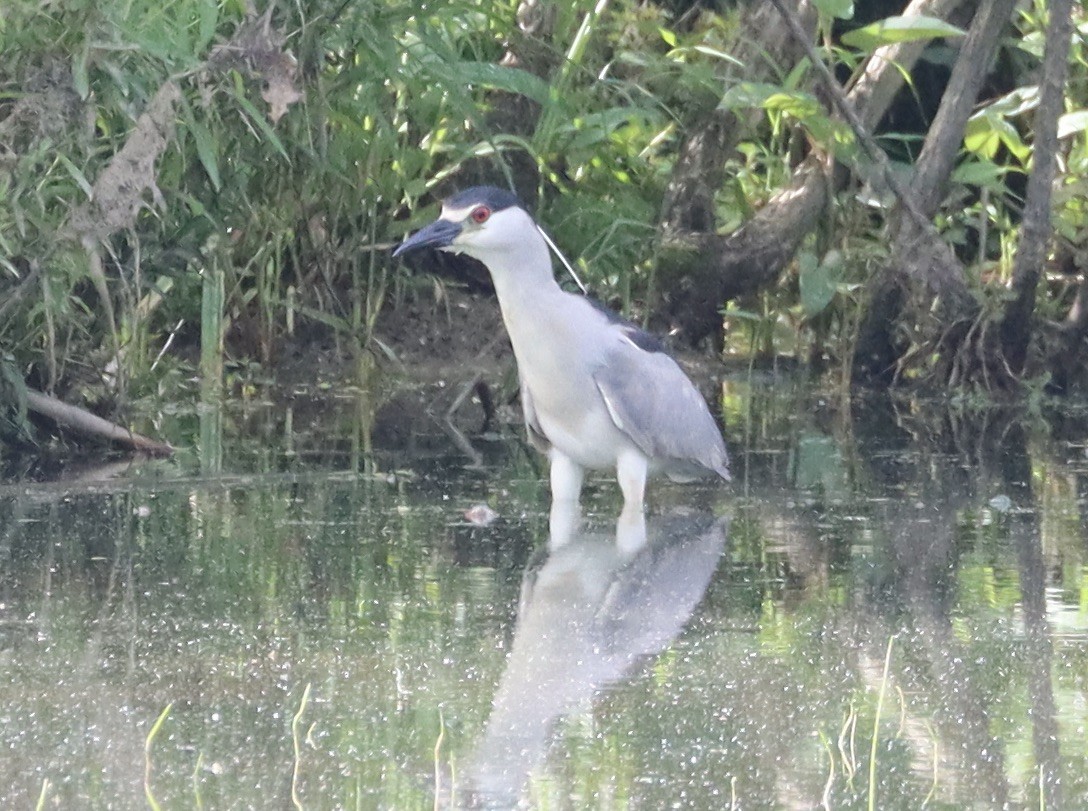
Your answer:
<point x="532" y="424"/>
<point x="652" y="401"/>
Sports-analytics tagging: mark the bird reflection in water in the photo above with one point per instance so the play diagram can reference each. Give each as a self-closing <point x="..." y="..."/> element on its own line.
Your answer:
<point x="592" y="608"/>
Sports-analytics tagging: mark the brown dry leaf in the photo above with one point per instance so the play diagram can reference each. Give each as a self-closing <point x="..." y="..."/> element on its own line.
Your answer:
<point x="118" y="192"/>
<point x="280" y="91"/>
<point x="258" y="49"/>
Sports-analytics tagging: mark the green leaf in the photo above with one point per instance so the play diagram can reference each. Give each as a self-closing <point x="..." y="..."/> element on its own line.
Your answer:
<point x="799" y="105"/>
<point x="981" y="135"/>
<point x="1010" y="137"/>
<point x="1072" y="123"/>
<point x="328" y="319"/>
<point x="714" y="53"/>
<point x="80" y="80"/>
<point x="205" y="147"/>
<point x="986" y="132"/>
<point x="899" y="29"/>
<point x="77" y="175"/>
<point x="979" y="173"/>
<point x="1016" y="102"/>
<point x="743" y="315"/>
<point x="497" y="77"/>
<point x="746" y="95"/>
<point x="818" y="281"/>
<point x="839" y="9"/>
<point x="259" y="120"/>
<point x="598" y="127"/>
<point x="207" y="20"/>
<point x="770" y="97"/>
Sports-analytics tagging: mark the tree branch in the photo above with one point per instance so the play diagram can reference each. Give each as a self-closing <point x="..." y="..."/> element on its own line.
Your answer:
<point x="1035" y="229"/>
<point x="942" y="143"/>
<point x="846" y="109"/>
<point x="873" y="92"/>
<point x="755" y="254"/>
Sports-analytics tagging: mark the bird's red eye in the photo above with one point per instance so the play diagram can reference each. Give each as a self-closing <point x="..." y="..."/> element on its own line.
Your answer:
<point x="480" y="214"/>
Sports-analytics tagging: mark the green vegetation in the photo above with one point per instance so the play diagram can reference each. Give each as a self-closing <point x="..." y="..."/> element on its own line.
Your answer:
<point x="197" y="171"/>
<point x="288" y="146"/>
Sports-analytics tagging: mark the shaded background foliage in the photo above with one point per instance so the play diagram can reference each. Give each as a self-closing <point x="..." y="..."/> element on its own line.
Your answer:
<point x="292" y="143"/>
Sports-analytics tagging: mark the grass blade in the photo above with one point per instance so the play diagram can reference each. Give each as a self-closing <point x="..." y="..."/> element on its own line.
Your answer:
<point x="151" y="801"/>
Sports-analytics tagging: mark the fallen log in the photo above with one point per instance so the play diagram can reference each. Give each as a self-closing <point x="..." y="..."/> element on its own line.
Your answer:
<point x="81" y="421"/>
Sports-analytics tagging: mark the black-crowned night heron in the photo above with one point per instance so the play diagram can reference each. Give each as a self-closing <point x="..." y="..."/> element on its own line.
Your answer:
<point x="597" y="392"/>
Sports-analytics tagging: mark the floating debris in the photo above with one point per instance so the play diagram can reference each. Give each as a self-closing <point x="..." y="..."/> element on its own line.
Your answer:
<point x="481" y="515"/>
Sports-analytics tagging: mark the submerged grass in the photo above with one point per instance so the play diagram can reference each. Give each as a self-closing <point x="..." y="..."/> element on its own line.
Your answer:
<point x="438" y="761"/>
<point x="876" y="724"/>
<point x="296" y="745"/>
<point x="148" y="743"/>
<point x="43" y="795"/>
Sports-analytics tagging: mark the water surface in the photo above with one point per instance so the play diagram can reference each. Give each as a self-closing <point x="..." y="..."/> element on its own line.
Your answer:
<point x="887" y="603"/>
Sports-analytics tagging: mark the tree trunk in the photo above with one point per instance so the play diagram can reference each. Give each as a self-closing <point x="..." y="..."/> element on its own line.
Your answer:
<point x="942" y="144"/>
<point x="763" y="46"/>
<point x="1035" y="229"/>
<point x="1066" y="363"/>
<point x="922" y="291"/>
<point x="708" y="269"/>
<point x="695" y="287"/>
<point x="81" y="421"/>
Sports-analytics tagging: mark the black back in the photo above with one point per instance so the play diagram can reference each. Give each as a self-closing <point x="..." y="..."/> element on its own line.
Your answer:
<point x="646" y="341"/>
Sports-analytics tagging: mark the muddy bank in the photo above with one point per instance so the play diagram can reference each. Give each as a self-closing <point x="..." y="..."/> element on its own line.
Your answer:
<point x="448" y="358"/>
<point x="438" y="361"/>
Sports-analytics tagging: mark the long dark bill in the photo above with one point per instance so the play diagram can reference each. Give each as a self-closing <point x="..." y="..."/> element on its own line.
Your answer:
<point x="439" y="234"/>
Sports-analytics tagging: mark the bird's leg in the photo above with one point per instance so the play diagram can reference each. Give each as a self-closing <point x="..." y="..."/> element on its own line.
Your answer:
<point x="566" y="513"/>
<point x="630" y="531"/>
<point x="564" y="521"/>
<point x="566" y="477"/>
<point x="631" y="470"/>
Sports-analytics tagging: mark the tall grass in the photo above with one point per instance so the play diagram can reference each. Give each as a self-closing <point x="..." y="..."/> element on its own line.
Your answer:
<point x="298" y="143"/>
<point x="303" y="139"/>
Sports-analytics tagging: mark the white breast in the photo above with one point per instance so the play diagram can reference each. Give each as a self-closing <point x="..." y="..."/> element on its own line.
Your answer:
<point x="592" y="442"/>
<point x="557" y="349"/>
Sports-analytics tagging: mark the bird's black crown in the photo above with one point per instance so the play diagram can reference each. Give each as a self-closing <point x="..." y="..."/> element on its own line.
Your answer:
<point x="491" y="196"/>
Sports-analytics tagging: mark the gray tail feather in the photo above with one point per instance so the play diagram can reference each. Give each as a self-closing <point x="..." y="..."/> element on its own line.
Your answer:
<point x="690" y="470"/>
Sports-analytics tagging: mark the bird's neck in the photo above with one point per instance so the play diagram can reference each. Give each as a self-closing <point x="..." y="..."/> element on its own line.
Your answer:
<point x="523" y="276"/>
<point x="525" y="287"/>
